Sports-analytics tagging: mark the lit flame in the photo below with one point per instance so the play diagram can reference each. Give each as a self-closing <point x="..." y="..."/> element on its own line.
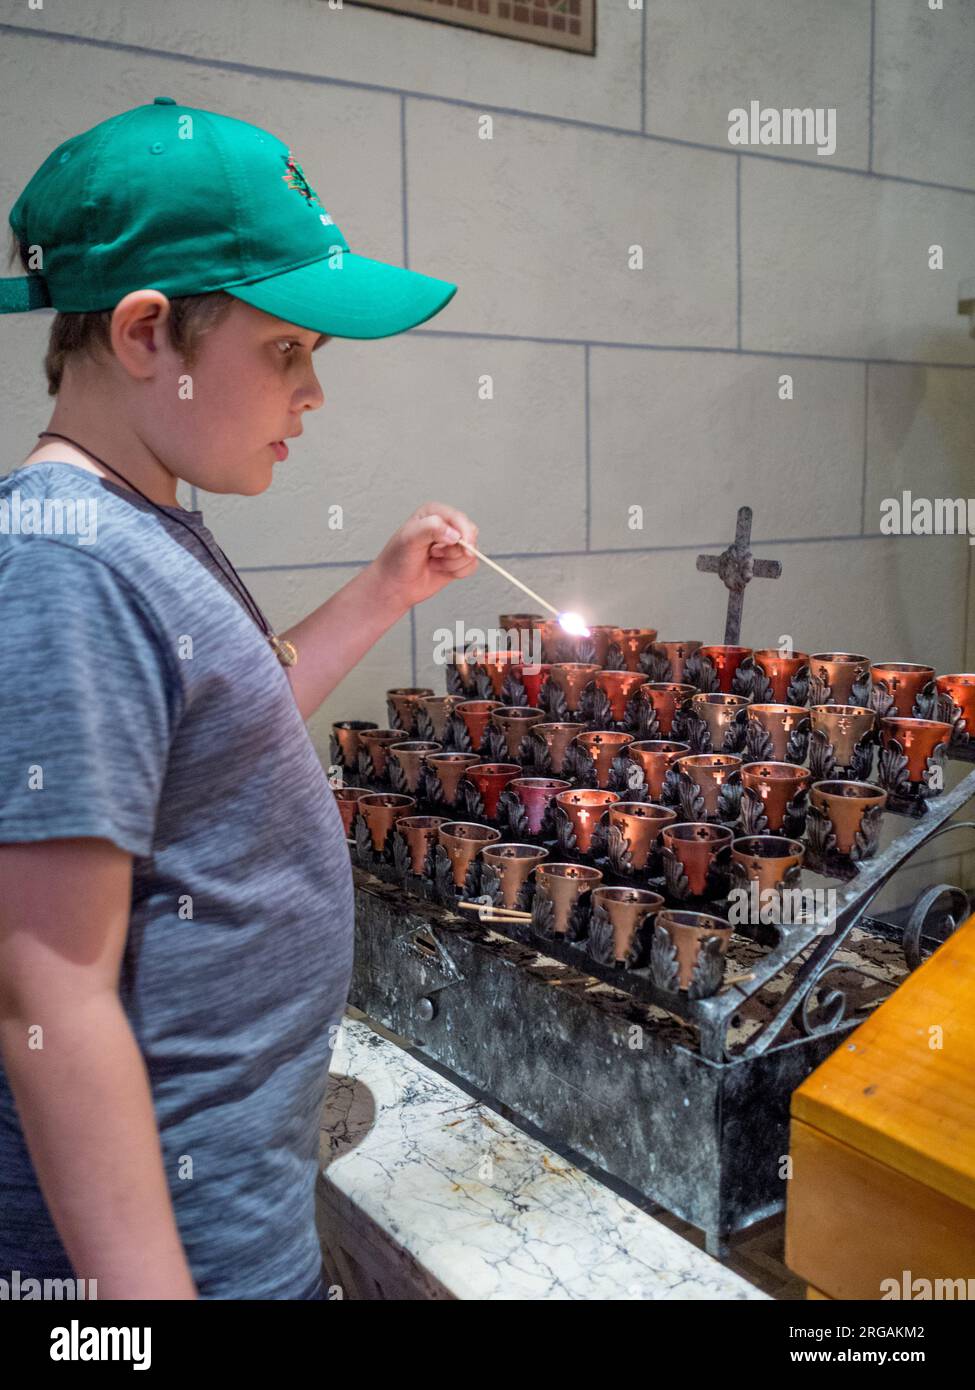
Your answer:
<point x="574" y="624"/>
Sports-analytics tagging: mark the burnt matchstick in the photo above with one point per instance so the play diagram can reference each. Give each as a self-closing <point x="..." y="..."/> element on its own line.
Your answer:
<point x="489" y="912"/>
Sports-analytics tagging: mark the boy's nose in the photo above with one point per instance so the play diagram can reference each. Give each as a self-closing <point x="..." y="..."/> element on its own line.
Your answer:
<point x="312" y="397"/>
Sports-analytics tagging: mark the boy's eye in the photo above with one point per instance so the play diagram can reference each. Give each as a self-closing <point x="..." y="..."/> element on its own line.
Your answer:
<point x="289" y="343"/>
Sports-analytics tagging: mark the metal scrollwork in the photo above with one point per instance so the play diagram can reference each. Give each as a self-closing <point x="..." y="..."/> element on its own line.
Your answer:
<point x="736" y="733"/>
<point x="729" y="799"/>
<point x="752" y="815"/>
<point x="443" y="877"/>
<point x="601" y="711"/>
<point x="402" y="859"/>
<point x="513" y="691"/>
<point x="675" y="876"/>
<point x="689" y="796"/>
<point x="798" y="691"/>
<point x="927" y="905"/>
<point x="618" y="851"/>
<point x="565" y="836"/>
<point x="708" y="972"/>
<point x="600" y="943"/>
<point x="758" y="743"/>
<point x="363" y="842"/>
<point x="664" y="967"/>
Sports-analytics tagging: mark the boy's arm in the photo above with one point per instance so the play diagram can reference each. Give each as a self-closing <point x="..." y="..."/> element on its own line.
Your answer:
<point x="83" y="1096"/>
<point x="417" y="561"/>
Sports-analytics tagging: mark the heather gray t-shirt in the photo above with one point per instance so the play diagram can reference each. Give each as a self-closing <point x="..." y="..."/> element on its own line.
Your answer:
<point x="140" y="702"/>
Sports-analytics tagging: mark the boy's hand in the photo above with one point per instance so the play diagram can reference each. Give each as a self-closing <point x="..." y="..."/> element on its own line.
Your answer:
<point x="422" y="556"/>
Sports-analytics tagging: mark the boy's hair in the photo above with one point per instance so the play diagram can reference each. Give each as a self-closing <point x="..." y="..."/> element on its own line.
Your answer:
<point x="190" y="317"/>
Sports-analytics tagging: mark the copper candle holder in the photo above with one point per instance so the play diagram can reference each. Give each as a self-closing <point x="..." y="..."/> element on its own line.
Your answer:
<point x="911" y="762"/>
<point x="716" y="721"/>
<point x="505" y="872"/>
<point x="724" y="661"/>
<point x="596" y="648"/>
<point x="496" y="666"/>
<point x="373" y="747"/>
<point x="446" y="773"/>
<point x="771" y="861"/>
<point x="844" y="819"/>
<point x="553" y="640"/>
<point x="638" y="825"/>
<point x="617" y="929"/>
<point x="347" y="797"/>
<point x="406" y="763"/>
<point x="455" y="857"/>
<point x="531" y="680"/>
<point x="344" y="742"/>
<point x="433" y="720"/>
<point x="526" y="801"/>
<point x="582" y="810"/>
<point x="695" y="855"/>
<point x="403" y="705"/>
<point x="527" y="628"/>
<point x="599" y="640"/>
<point x="556" y="906"/>
<point x="778" y="733"/>
<point x="774" y="798"/>
<point x="613" y="693"/>
<point x="669" y="661"/>
<point x="416" y="840"/>
<point x="526" y="621"/>
<point x="632" y="642"/>
<point x="380" y="811"/>
<point x="897" y="685"/>
<point x="840" y="678"/>
<point x="475" y="716"/>
<point x="841" y="741"/>
<point x="515" y="722"/>
<point x="780" y="679"/>
<point x="654" y="757"/>
<point x="551" y="743"/>
<point x="488" y="781"/>
<point x="959" y="690"/>
<point x="688" y="952"/>
<point x="603" y="746"/>
<point x="705" y="784"/>
<point x="567" y="683"/>
<point x="660" y="703"/>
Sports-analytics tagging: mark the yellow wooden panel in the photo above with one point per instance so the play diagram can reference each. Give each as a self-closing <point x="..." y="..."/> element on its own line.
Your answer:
<point x="902" y="1087"/>
<point x="852" y="1222"/>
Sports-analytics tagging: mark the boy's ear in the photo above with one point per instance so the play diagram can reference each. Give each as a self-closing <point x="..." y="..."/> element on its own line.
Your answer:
<point x="136" y="320"/>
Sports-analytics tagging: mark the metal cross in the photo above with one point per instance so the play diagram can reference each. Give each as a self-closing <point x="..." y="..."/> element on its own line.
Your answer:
<point x="737" y="567"/>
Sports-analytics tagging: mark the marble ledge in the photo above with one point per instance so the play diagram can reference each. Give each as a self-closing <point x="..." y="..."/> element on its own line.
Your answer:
<point x="465" y="1205"/>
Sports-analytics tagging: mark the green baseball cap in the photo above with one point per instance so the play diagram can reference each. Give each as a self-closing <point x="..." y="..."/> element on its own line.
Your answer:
<point x="186" y="201"/>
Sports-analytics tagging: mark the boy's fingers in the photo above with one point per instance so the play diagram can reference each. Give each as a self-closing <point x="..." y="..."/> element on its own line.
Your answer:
<point x="457" y="568"/>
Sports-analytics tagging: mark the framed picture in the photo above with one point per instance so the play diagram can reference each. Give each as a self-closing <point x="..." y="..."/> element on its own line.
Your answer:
<point x="569" y="24"/>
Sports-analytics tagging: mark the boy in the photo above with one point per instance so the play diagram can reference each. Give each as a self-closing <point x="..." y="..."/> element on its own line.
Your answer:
<point x="175" y="887"/>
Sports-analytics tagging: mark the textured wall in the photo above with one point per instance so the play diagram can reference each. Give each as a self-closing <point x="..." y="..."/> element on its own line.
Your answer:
<point x="612" y="386"/>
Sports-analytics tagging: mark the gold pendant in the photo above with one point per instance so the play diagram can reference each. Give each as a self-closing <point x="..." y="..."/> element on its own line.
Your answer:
<point x="285" y="651"/>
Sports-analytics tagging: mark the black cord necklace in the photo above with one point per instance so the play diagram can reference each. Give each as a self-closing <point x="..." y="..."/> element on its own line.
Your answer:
<point x="285" y="651"/>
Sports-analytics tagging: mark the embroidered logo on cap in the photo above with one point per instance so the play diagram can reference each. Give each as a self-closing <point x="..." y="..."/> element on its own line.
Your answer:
<point x="295" y="178"/>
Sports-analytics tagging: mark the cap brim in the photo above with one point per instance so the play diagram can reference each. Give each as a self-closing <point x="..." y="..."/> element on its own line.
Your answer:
<point x="349" y="296"/>
<point x="21" y="293"/>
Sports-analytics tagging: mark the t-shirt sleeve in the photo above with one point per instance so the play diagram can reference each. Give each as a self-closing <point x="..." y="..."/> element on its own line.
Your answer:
<point x="89" y="700"/>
